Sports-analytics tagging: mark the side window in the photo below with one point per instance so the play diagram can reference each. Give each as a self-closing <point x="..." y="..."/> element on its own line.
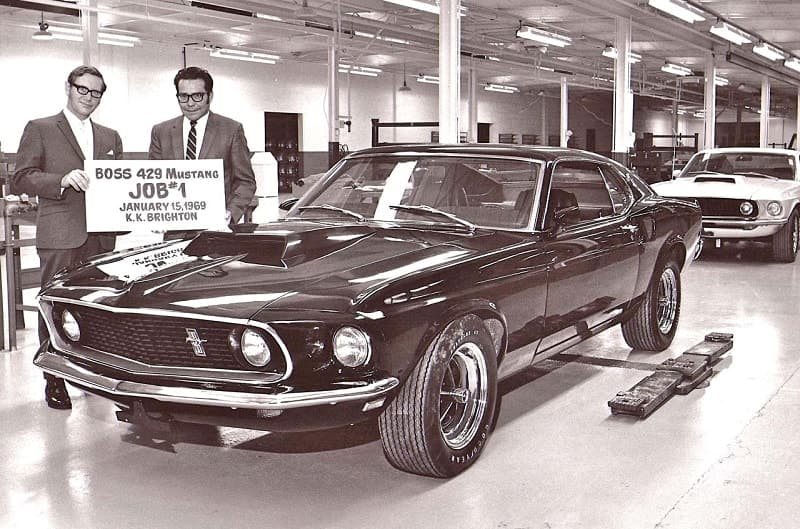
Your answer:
<point x="583" y="184"/>
<point x="621" y="196"/>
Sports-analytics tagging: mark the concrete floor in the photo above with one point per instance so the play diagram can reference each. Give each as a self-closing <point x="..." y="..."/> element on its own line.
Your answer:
<point x="723" y="456"/>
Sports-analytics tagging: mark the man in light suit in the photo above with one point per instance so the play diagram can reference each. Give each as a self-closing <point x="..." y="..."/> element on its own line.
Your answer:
<point x="49" y="164"/>
<point x="202" y="134"/>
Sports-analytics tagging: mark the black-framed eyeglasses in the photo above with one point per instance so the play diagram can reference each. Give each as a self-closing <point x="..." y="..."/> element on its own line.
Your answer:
<point x="196" y="97"/>
<point x="83" y="90"/>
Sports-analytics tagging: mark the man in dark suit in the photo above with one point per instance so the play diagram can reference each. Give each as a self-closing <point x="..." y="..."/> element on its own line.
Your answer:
<point x="49" y="165"/>
<point x="200" y="133"/>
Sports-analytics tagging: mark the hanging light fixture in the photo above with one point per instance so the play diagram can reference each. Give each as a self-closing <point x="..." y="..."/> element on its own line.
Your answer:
<point x="676" y="69"/>
<point x="542" y="36"/>
<point x="768" y="51"/>
<point x="405" y="87"/>
<point x="42" y="33"/>
<point x="730" y="33"/>
<point x="679" y="9"/>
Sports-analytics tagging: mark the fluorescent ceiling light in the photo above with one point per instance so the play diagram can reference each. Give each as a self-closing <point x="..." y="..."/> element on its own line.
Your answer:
<point x="504" y="89"/>
<point x="793" y="63"/>
<point x="431" y="79"/>
<point x="359" y="70"/>
<point x="76" y="35"/>
<point x="699" y="114"/>
<point x="730" y="33"/>
<point x="269" y="17"/>
<point x="424" y="6"/>
<point x="241" y="55"/>
<point x="679" y="9"/>
<point x="611" y="52"/>
<point x="720" y="81"/>
<point x="545" y="37"/>
<point x="380" y="37"/>
<point x="676" y="69"/>
<point x="768" y="51"/>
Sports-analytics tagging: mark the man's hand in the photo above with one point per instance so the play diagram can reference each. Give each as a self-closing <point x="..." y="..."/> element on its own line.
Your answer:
<point x="76" y="179"/>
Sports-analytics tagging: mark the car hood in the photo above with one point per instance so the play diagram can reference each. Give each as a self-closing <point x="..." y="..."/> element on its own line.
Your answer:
<point x="713" y="185"/>
<point x="292" y="265"/>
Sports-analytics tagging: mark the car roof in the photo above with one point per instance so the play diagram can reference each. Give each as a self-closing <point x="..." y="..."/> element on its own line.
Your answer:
<point x="485" y="149"/>
<point x="751" y="150"/>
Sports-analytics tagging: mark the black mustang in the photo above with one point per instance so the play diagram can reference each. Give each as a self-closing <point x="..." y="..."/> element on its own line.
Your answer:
<point x="403" y="285"/>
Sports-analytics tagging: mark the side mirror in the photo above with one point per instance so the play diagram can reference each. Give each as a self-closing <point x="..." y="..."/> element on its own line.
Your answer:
<point x="287" y="204"/>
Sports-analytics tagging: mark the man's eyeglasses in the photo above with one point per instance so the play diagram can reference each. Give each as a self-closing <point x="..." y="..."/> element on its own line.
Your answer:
<point x="196" y="97"/>
<point x="83" y="90"/>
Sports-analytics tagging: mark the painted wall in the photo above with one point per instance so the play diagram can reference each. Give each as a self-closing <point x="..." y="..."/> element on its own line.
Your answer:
<point x="141" y="94"/>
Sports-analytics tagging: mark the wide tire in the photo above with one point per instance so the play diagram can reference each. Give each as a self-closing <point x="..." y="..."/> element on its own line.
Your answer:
<point x="440" y="421"/>
<point x="652" y="327"/>
<point x="785" y="243"/>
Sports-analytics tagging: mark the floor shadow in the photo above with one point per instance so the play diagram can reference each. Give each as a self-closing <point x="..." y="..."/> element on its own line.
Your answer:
<point x="744" y="251"/>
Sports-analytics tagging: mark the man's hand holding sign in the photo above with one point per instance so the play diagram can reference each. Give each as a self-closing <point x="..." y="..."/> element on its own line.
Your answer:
<point x="155" y="195"/>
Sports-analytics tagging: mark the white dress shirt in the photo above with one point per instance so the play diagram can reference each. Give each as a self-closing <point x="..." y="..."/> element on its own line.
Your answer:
<point x="83" y="133"/>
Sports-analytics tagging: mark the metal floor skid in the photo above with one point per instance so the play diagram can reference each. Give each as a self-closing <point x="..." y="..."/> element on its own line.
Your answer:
<point x="675" y="375"/>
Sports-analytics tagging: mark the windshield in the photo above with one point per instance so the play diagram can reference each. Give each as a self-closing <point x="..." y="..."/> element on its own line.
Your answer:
<point x="774" y="165"/>
<point x="459" y="191"/>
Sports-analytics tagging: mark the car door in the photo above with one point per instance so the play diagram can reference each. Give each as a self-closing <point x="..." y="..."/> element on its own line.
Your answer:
<point x="595" y="251"/>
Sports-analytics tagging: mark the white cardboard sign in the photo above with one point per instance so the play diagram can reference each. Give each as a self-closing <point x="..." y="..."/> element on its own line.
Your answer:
<point x="142" y="195"/>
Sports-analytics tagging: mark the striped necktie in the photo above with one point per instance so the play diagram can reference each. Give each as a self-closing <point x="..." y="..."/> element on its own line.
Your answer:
<point x="191" y="142"/>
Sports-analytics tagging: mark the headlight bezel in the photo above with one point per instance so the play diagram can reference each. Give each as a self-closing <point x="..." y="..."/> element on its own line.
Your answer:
<point x="244" y="342"/>
<point x="771" y="208"/>
<point x="351" y="346"/>
<point x="746" y="208"/>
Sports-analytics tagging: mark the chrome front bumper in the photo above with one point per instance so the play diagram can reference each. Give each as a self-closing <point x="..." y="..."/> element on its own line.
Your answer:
<point x="740" y="229"/>
<point x="60" y="366"/>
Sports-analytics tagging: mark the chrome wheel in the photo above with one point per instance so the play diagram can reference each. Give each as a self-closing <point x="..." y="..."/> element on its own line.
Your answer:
<point x="463" y="396"/>
<point x="668" y="300"/>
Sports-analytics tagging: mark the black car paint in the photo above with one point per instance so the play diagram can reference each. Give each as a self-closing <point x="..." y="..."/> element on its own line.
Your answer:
<point x="317" y="275"/>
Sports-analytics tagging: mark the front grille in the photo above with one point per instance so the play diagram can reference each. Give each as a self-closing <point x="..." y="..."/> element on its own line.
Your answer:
<point x="725" y="207"/>
<point x="155" y="340"/>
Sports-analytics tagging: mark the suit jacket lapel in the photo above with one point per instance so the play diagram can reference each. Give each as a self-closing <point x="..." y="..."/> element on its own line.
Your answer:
<point x="208" y="135"/>
<point x="66" y="130"/>
<point x="176" y="135"/>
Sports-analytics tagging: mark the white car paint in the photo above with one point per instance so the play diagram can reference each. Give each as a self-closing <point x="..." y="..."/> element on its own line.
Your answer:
<point x="736" y="186"/>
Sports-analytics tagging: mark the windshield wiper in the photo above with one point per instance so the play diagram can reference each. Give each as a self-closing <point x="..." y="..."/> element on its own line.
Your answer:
<point x="427" y="210"/>
<point x="328" y="207"/>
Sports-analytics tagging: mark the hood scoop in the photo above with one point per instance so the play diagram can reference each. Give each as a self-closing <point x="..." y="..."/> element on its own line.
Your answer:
<point x="277" y="248"/>
<point x="721" y="179"/>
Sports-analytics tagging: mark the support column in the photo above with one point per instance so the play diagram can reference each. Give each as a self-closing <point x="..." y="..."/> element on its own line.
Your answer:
<point x="764" y="129"/>
<point x="797" y="121"/>
<point x="449" y="78"/>
<point x="333" y="103"/>
<point x="472" y="105"/>
<point x="91" y="49"/>
<point x="710" y="104"/>
<point x="545" y="139"/>
<point x="623" y="96"/>
<point x="564" y="112"/>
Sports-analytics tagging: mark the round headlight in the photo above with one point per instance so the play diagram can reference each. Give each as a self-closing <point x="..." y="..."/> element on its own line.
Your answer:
<point x="351" y="346"/>
<point x="254" y="348"/>
<point x="774" y="208"/>
<point x="70" y="326"/>
<point x="746" y="208"/>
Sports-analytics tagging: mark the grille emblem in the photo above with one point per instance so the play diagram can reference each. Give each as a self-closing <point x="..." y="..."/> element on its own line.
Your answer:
<point x="196" y="342"/>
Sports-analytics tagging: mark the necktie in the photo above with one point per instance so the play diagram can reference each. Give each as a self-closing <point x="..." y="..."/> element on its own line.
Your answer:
<point x="191" y="142"/>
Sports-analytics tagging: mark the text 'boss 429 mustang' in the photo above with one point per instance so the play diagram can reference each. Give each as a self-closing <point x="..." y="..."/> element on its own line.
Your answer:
<point x="402" y="287"/>
<point x="745" y="194"/>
